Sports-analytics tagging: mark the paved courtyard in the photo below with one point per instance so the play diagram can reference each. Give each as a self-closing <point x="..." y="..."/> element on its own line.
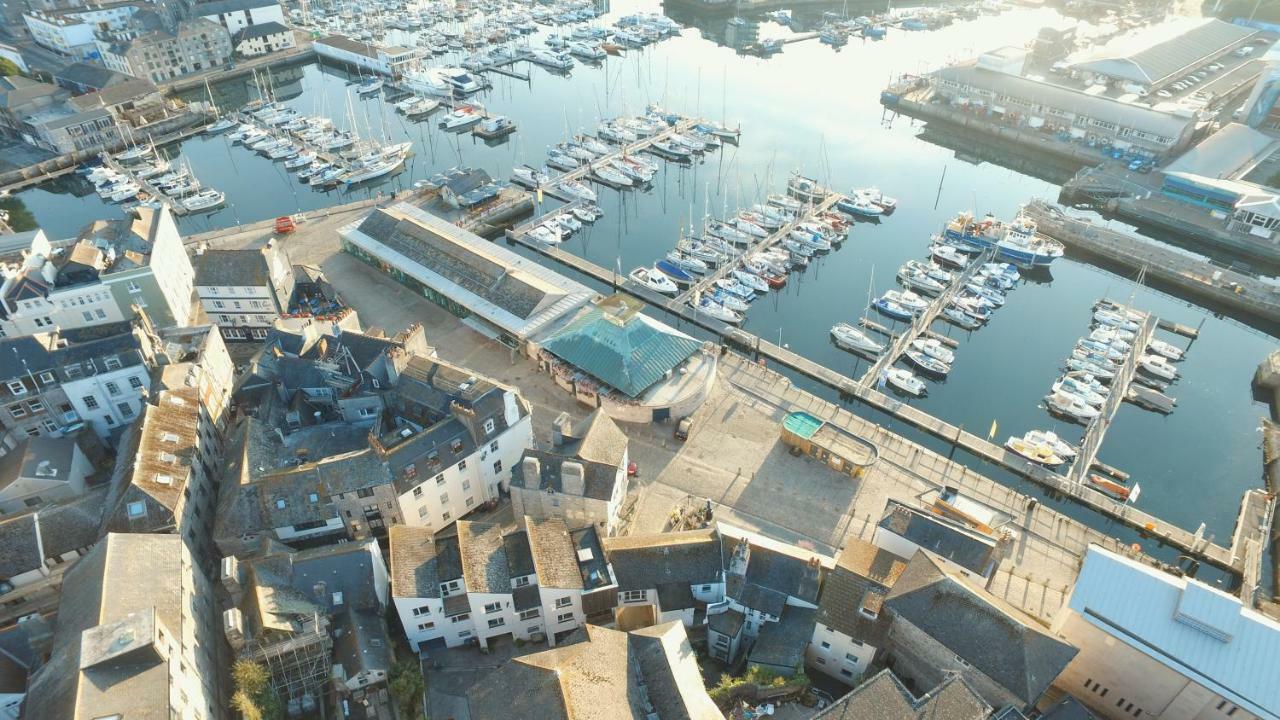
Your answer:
<point x="734" y="456"/>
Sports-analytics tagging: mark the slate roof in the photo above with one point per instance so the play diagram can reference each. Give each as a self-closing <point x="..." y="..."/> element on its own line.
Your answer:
<point x="484" y="557"/>
<point x="884" y="697"/>
<point x="130" y="90"/>
<point x="210" y="8"/>
<point x="413" y="562"/>
<point x="493" y="283"/>
<point x="619" y="346"/>
<point x="727" y="623"/>
<point x="519" y="555"/>
<point x="125" y="578"/>
<point x="89" y="75"/>
<point x="1068" y="708"/>
<point x="1178" y="53"/>
<point x="643" y="562"/>
<point x="239" y="268"/>
<point x="47" y="458"/>
<point x="258" y="30"/>
<point x="938" y="535"/>
<point x="771" y="577"/>
<point x="526" y="597"/>
<point x="860" y="570"/>
<point x="950" y="605"/>
<point x="19" y="355"/>
<point x="19" y="549"/>
<point x="600" y="676"/>
<point x="596" y="443"/>
<point x="554" y="554"/>
<point x="782" y="644"/>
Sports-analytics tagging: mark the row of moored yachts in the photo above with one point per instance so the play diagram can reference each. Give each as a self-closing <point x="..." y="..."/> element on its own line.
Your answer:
<point x="310" y="146"/>
<point x="145" y="177"/>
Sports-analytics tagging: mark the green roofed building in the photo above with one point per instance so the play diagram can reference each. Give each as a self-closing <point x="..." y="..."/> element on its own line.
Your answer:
<point x="618" y="346"/>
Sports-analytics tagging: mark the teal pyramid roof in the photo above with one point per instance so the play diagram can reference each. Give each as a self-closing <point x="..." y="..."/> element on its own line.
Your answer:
<point x="618" y="346"/>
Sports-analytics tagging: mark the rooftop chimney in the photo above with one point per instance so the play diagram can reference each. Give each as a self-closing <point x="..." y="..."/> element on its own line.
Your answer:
<point x="532" y="471"/>
<point x="573" y="478"/>
<point x="561" y="429"/>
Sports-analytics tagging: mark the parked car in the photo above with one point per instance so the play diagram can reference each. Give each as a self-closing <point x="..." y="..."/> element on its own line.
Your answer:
<point x="682" y="428"/>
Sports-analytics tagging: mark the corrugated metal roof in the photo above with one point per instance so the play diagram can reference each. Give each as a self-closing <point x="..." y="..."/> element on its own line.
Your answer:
<point x="621" y="348"/>
<point x="1182" y="50"/>
<point x="1228" y="154"/>
<point x="1166" y="618"/>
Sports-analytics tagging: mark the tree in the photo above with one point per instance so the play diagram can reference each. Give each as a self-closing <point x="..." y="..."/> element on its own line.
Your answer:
<point x="407" y="686"/>
<point x="7" y="68"/>
<point x="254" y="697"/>
<point x="20" y="218"/>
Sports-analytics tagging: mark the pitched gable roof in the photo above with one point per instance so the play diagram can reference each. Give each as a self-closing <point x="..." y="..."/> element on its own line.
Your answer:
<point x="946" y="602"/>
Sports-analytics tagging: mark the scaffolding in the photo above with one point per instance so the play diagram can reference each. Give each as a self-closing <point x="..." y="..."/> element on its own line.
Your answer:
<point x="299" y="666"/>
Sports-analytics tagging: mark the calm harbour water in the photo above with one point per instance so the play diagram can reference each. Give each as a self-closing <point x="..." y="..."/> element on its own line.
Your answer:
<point x="814" y="109"/>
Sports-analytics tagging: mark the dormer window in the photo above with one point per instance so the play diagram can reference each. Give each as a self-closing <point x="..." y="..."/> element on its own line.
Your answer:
<point x="489" y="426"/>
<point x="456" y="445"/>
<point x="136" y="509"/>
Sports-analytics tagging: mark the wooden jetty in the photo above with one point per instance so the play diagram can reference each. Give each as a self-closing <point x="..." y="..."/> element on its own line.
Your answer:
<point x="1191" y="544"/>
<point x="765" y="243"/>
<point x="923" y="321"/>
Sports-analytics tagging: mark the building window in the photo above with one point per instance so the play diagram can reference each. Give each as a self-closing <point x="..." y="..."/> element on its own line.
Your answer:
<point x="125" y="410"/>
<point x="17" y="410"/>
<point x="462" y="465"/>
<point x="417" y="492"/>
<point x="471" y="501"/>
<point x="563" y="602"/>
<point x="493" y="607"/>
<point x="493" y="446"/>
<point x="422" y="511"/>
<point x="46" y="378"/>
<point x="497" y="622"/>
<point x="530" y="614"/>
<point x="423" y="627"/>
<point x="826" y="645"/>
<point x="630" y="596"/>
<point x="113" y="363"/>
<point x="439" y="479"/>
<point x="422" y="610"/>
<point x="846" y="673"/>
<point x="520" y="581"/>
<point x="364" y="492"/>
<point x="820" y="661"/>
<point x="564" y="617"/>
<point x="135" y="382"/>
<point x="137" y="509"/>
<point x="488" y="426"/>
<point x="497" y="466"/>
<point x="113" y="388"/>
<point x="16" y="387"/>
<point x="445" y="517"/>
<point x="851" y="658"/>
<point x="90" y="402"/>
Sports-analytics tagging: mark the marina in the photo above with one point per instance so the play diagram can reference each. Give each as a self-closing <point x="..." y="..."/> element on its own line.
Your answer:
<point x="1005" y="366"/>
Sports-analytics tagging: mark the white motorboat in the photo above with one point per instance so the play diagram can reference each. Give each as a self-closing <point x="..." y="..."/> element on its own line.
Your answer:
<point x="135" y="153"/>
<point x="1071" y="406"/>
<point x="873" y="195"/>
<point x="568" y="222"/>
<point x="586" y="51"/>
<point x="749" y="227"/>
<point x="905" y="381"/>
<point x="561" y="160"/>
<point x="908" y="300"/>
<point x="548" y="233"/>
<point x="587" y="213"/>
<point x="855" y="339"/>
<point x="206" y="199"/>
<point x="1113" y="319"/>
<point x="373" y="171"/>
<point x="464" y="117"/>
<point x="934" y="349"/>
<point x="1158" y="366"/>
<point x="713" y="309"/>
<point x="1165" y="350"/>
<point x="948" y="255"/>
<point x="1035" y="452"/>
<point x="1099" y="370"/>
<point x="686" y="263"/>
<point x="220" y="126"/>
<point x="300" y="161"/>
<point x="731" y="302"/>
<point x="915" y="279"/>
<point x="785" y="202"/>
<point x="1080" y="390"/>
<point x="552" y="59"/>
<point x="529" y="176"/>
<point x="610" y="175"/>
<point x="369" y="86"/>
<point x="654" y="280"/>
<point x="751" y="280"/>
<point x="578" y="190"/>
<point x="461" y="81"/>
<point x="1052" y="441"/>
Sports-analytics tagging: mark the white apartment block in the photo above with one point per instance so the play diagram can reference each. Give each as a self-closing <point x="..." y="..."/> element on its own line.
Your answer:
<point x="535" y="585"/>
<point x="244" y="291"/>
<point x="112" y="268"/>
<point x="848" y="630"/>
<point x="71" y="32"/>
<point x="235" y="15"/>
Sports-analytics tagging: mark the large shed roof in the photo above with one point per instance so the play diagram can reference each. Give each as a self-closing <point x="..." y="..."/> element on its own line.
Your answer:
<point x="1156" y="54"/>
